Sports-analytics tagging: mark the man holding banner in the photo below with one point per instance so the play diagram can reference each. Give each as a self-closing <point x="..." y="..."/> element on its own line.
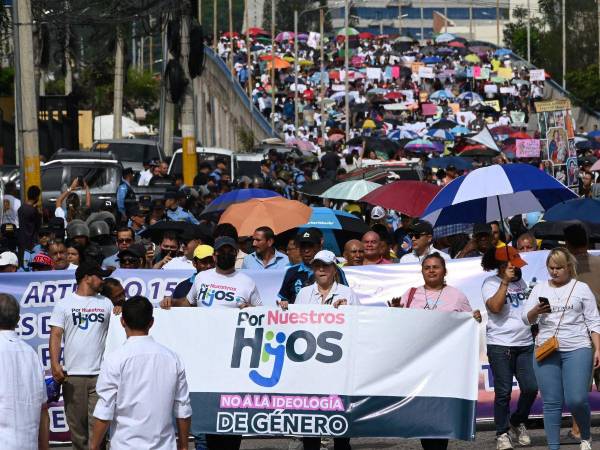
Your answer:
<point x="82" y="318"/>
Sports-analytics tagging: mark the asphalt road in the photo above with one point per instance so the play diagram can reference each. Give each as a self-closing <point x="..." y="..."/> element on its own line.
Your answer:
<point x="485" y="440"/>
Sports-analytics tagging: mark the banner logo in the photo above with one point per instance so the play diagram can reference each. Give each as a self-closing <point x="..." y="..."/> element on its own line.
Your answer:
<point x="276" y="345"/>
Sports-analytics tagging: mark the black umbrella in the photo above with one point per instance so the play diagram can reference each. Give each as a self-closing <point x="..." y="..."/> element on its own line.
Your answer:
<point x="555" y="230"/>
<point x="443" y="124"/>
<point x="316" y="188"/>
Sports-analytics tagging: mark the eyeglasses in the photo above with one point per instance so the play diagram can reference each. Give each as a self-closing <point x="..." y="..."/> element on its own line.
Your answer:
<point x="128" y="261"/>
<point x="125" y="241"/>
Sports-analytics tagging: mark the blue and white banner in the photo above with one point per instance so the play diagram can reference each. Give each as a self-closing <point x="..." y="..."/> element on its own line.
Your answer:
<point x="37" y="293"/>
<point x="351" y="371"/>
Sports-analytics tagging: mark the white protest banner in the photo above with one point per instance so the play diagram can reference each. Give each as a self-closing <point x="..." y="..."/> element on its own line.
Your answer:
<point x="527" y="148"/>
<point x="314" y="370"/>
<point x="537" y="75"/>
<point x="426" y="72"/>
<point x="490" y="89"/>
<point x="508" y="90"/>
<point x="409" y="95"/>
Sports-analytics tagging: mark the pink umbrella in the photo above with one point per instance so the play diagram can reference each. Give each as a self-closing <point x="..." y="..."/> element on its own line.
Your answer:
<point x="302" y="145"/>
<point x="596" y="165"/>
<point x="284" y="36"/>
<point x="357" y="61"/>
<point x="336" y="137"/>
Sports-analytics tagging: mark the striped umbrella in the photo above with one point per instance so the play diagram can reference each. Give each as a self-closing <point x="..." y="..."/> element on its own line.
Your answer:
<point x="439" y="133"/>
<point x="495" y="192"/>
<point x="470" y="96"/>
<point x="422" y="146"/>
<point x="350" y="190"/>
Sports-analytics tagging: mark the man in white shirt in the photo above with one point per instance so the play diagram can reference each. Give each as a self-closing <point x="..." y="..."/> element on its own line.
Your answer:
<point x="23" y="410"/>
<point x="141" y="386"/>
<point x="147" y="174"/>
<point x="83" y="318"/>
<point x="421" y="234"/>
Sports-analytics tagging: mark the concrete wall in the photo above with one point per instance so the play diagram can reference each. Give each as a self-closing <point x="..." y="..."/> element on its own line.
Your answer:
<point x="223" y="108"/>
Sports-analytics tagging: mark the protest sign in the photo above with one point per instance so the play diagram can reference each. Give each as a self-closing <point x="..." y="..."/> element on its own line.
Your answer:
<point x="347" y="389"/>
<point x="537" y="75"/>
<point x="429" y="109"/>
<point x="476" y="71"/>
<point x="415" y="66"/>
<point x="506" y="73"/>
<point x="484" y="74"/>
<point x="455" y="107"/>
<point x="528" y="148"/>
<point x="426" y="72"/>
<point x="508" y="90"/>
<point x="493" y="103"/>
<point x="374" y="285"/>
<point x="552" y="105"/>
<point x="490" y="89"/>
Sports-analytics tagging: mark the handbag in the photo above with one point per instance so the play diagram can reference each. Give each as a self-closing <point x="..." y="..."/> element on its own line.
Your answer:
<point x="551" y="345"/>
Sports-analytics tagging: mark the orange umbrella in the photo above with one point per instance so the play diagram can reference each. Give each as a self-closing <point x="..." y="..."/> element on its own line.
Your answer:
<point x="279" y="64"/>
<point x="278" y="213"/>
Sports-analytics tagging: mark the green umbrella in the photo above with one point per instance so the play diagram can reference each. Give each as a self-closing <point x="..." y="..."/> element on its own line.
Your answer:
<point x="347" y="32"/>
<point x="350" y="190"/>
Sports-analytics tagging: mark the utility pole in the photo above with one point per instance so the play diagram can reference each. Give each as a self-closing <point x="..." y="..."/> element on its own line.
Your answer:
<point x="26" y="120"/>
<point x="215" y="43"/>
<point x="498" y="23"/>
<point x="296" y="71"/>
<point x="346" y="66"/>
<point x="399" y="18"/>
<point x="273" y="64"/>
<point x="118" y="86"/>
<point x="471" y="21"/>
<point x="422" y="23"/>
<point x="249" y="82"/>
<point x="188" y="130"/>
<point x="167" y="108"/>
<point x="200" y="12"/>
<point x="564" y="45"/>
<point x="445" y="18"/>
<point x="230" y="59"/>
<point x="598" y="1"/>
<point x="529" y="32"/>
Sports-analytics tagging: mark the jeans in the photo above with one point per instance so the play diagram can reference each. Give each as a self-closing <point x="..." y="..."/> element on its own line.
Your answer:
<point x="565" y="377"/>
<point x="505" y="362"/>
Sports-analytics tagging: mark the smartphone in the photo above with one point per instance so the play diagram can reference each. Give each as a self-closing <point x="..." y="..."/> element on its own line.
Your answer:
<point x="544" y="300"/>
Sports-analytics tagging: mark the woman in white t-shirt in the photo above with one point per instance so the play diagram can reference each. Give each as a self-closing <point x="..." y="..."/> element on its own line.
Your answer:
<point x="509" y="344"/>
<point x="565" y="308"/>
<point x="325" y="291"/>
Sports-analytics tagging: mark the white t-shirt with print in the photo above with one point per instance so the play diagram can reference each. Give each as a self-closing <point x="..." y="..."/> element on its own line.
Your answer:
<point x="212" y="289"/>
<point x="309" y="295"/>
<point x="507" y="327"/>
<point x="85" y="323"/>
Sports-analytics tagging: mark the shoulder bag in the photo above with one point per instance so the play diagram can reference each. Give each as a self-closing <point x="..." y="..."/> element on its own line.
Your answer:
<point x="551" y="345"/>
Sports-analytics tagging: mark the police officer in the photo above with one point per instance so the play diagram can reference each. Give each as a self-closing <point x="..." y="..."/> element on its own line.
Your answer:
<point x="125" y="194"/>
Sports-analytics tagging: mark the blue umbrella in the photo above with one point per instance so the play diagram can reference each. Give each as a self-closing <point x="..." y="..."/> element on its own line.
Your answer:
<point x="594" y="134"/>
<point x="337" y="226"/>
<point x="503" y="52"/>
<point x="456" y="161"/>
<point x="584" y="209"/>
<point x="396" y="135"/>
<point x="221" y="203"/>
<point x="495" y="192"/>
<point x="440" y="133"/>
<point x="470" y="96"/>
<point x="432" y="60"/>
<point x="441" y="95"/>
<point x="444" y="37"/>
<point x="459" y="129"/>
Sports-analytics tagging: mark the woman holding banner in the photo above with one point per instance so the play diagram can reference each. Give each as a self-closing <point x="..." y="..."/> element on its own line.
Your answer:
<point x="566" y="313"/>
<point x="509" y="344"/>
<point x="436" y="295"/>
<point x="325" y="291"/>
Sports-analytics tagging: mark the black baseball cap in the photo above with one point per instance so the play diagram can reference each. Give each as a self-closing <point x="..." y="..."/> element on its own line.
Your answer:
<point x="421" y="227"/>
<point x="170" y="194"/>
<point x="127" y="171"/>
<point x="135" y="250"/>
<point x="222" y="241"/>
<point x="309" y="237"/>
<point x="90" y="268"/>
<point x="482" y="228"/>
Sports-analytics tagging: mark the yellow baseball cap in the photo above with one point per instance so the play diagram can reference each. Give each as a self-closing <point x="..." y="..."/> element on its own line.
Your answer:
<point x="203" y="251"/>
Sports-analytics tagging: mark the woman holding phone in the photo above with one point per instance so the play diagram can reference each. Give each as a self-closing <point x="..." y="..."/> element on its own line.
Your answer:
<point x="435" y="295"/>
<point x="566" y="309"/>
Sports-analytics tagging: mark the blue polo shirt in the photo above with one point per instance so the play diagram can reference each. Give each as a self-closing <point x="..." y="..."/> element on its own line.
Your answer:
<point x="299" y="276"/>
<point x="253" y="262"/>
<point x="182" y="215"/>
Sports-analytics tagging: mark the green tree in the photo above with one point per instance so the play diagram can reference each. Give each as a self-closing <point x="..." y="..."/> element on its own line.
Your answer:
<point x="585" y="86"/>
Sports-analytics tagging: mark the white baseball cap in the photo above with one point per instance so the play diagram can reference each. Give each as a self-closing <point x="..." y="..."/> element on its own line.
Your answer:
<point x="378" y="213"/>
<point x="325" y="256"/>
<point x="9" y="259"/>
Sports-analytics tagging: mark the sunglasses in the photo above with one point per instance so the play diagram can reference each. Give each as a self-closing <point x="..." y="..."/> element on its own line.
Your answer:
<point x="417" y="235"/>
<point x="129" y="261"/>
<point x="125" y="241"/>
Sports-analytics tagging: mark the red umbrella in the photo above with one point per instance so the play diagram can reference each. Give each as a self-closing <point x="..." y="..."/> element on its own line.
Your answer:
<point x="456" y="44"/>
<point x="503" y="129"/>
<point x="393" y="95"/>
<point x="256" y="31"/>
<point x="366" y="35"/>
<point x="227" y="34"/>
<point x="519" y="135"/>
<point x="405" y="196"/>
<point x="476" y="150"/>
